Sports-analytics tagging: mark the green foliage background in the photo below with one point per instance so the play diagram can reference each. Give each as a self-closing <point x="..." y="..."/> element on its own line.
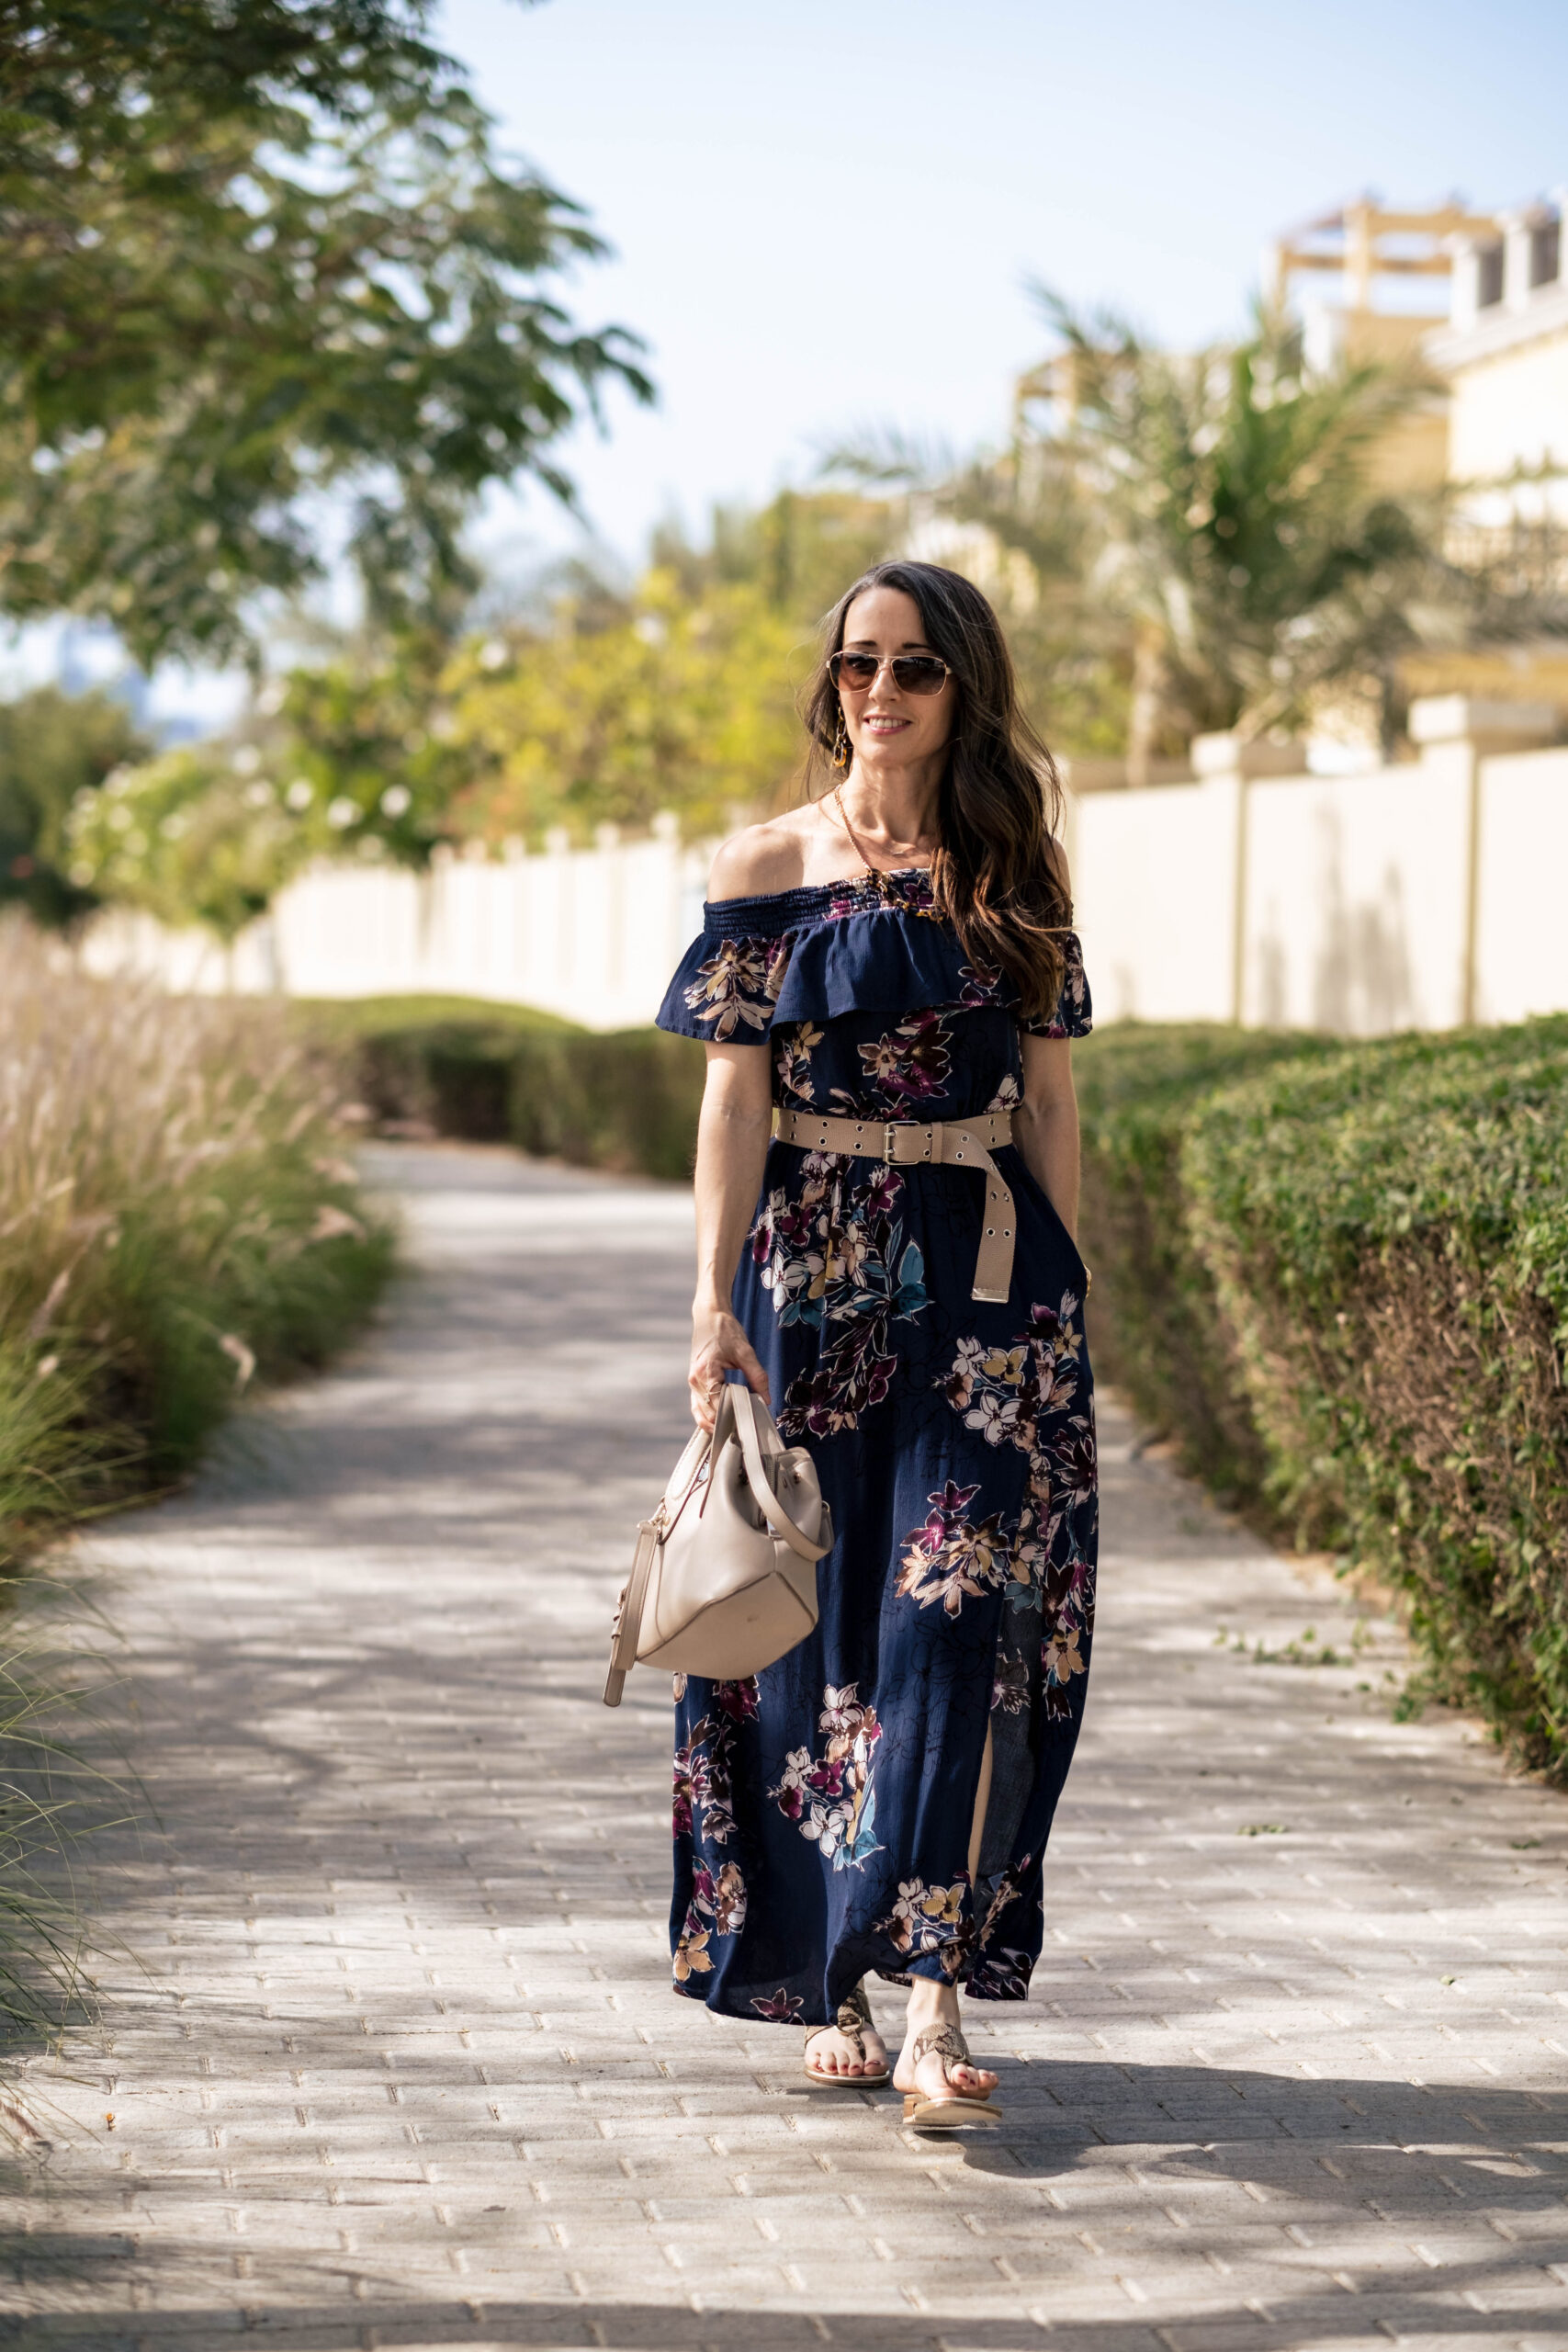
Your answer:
<point x="54" y="748"/>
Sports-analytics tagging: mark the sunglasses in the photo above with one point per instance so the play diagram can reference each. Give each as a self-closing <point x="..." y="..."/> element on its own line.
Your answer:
<point x="913" y="674"/>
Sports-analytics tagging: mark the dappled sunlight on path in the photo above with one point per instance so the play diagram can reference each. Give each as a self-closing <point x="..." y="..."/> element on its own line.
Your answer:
<point x="399" y="2064"/>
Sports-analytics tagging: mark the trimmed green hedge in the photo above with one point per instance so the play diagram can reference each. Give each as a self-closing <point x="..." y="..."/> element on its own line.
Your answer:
<point x="1339" y="1274"/>
<point x="626" y="1100"/>
<point x="1158" y="1329"/>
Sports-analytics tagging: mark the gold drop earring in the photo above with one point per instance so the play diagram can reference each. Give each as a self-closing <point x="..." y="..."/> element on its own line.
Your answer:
<point x="843" y="748"/>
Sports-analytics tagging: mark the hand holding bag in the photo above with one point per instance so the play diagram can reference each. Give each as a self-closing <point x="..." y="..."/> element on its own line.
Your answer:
<point x="724" y="1578"/>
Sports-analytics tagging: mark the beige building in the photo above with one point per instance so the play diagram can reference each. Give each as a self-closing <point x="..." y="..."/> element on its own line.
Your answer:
<point x="1504" y="351"/>
<point x="1497" y="349"/>
<point x="1393" y="272"/>
<point x="1494" y="336"/>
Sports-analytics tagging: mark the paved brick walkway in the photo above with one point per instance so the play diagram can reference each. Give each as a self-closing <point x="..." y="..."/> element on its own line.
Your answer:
<point x="400" y="2066"/>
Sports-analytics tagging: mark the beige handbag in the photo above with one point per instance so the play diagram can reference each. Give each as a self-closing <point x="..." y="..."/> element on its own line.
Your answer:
<point x="723" y="1580"/>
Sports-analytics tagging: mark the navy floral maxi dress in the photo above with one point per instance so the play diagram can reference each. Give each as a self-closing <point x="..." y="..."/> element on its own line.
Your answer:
<point x="823" y="1811"/>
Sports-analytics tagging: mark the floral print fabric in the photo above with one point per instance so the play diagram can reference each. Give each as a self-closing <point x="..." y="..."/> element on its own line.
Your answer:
<point x="823" y="1812"/>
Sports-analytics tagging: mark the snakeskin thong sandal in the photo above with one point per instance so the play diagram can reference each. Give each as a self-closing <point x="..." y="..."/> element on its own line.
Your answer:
<point x="955" y="2110"/>
<point x="855" y="2016"/>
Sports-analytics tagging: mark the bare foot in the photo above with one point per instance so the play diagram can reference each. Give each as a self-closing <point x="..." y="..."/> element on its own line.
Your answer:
<point x="831" y="2051"/>
<point x="936" y="2076"/>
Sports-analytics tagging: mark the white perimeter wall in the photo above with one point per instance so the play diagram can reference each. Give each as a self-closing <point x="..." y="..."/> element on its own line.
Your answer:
<point x="1357" y="912"/>
<point x="594" y="934"/>
<point x="1409" y="897"/>
<point x="1355" y="896"/>
<point x="1154" y="888"/>
<point x="1522" y="887"/>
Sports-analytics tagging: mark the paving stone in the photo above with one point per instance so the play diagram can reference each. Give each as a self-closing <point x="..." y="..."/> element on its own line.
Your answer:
<point x="386" y="2028"/>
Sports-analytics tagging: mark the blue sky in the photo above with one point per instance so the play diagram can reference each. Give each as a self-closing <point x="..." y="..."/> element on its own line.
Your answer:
<point x="825" y="214"/>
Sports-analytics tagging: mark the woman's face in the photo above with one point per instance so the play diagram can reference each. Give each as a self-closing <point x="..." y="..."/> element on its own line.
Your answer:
<point x="890" y="728"/>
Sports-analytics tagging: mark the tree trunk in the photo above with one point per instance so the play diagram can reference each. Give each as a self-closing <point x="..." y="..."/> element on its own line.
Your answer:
<point x="1146" y="714"/>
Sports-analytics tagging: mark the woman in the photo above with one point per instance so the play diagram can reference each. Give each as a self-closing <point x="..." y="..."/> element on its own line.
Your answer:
<point x="894" y="956"/>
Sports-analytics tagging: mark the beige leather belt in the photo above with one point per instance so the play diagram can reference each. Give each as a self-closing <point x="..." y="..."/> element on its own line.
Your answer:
<point x="948" y="1143"/>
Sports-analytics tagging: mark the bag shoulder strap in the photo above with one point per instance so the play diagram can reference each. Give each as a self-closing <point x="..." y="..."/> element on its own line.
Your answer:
<point x="746" y="1412"/>
<point x="629" y="1616"/>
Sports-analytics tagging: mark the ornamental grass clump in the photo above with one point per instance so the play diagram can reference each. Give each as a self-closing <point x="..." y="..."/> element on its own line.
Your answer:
<point x="176" y="1218"/>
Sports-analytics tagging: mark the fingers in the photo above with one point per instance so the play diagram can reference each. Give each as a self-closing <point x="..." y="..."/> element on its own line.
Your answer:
<point x="747" y="1361"/>
<point x="704" y="1381"/>
<point x="731" y="1352"/>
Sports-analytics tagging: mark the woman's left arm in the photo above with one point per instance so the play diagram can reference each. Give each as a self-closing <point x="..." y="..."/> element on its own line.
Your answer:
<point x="1045" y="1124"/>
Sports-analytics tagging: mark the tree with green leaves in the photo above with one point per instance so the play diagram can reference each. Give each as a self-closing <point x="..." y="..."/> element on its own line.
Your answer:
<point x="799" y="553"/>
<point x="1244" y="538"/>
<point x="263" y="268"/>
<point x="54" y="748"/>
<point x="198" y="834"/>
<point x="685" y="703"/>
<point x="366" y="750"/>
<point x="678" y="697"/>
<point x="609" y="705"/>
<point x="1184" y="544"/>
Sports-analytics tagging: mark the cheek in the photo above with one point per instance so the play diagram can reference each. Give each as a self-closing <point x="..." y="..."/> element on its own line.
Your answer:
<point x="941" y="719"/>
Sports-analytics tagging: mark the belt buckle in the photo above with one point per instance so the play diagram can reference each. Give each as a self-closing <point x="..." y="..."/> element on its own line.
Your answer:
<point x="890" y="1142"/>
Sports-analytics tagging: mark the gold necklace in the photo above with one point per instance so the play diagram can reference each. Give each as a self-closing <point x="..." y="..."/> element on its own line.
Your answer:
<point x="877" y="874"/>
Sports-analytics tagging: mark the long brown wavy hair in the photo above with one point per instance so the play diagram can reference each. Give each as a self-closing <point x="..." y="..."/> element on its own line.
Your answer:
<point x="994" y="876"/>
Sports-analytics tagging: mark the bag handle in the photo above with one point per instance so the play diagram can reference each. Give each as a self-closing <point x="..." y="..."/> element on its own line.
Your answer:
<point x="650" y="1533"/>
<point x="684" y="1477"/>
<point x="747" y="1414"/>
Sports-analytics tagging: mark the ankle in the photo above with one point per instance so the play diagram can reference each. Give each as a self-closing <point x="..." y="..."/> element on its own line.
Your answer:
<point x="930" y="2004"/>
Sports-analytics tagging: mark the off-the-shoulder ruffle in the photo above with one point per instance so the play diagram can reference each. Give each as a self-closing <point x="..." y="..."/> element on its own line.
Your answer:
<point x="887" y="961"/>
<point x="747" y="970"/>
<point x="725" y="988"/>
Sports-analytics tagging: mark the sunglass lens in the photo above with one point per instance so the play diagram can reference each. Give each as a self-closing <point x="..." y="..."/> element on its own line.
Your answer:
<point x="853" y="669"/>
<point x="919" y="674"/>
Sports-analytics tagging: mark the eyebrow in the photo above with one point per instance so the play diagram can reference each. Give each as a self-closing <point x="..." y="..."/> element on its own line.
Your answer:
<point x="910" y="644"/>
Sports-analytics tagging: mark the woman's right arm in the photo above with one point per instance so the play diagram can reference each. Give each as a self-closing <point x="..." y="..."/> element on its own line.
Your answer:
<point x="733" y="1132"/>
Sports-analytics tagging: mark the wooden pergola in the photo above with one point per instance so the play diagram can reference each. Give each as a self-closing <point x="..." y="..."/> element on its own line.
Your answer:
<point x="1354" y="243"/>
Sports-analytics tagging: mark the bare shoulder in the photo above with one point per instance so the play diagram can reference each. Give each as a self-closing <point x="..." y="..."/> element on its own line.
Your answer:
<point x="760" y="860"/>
